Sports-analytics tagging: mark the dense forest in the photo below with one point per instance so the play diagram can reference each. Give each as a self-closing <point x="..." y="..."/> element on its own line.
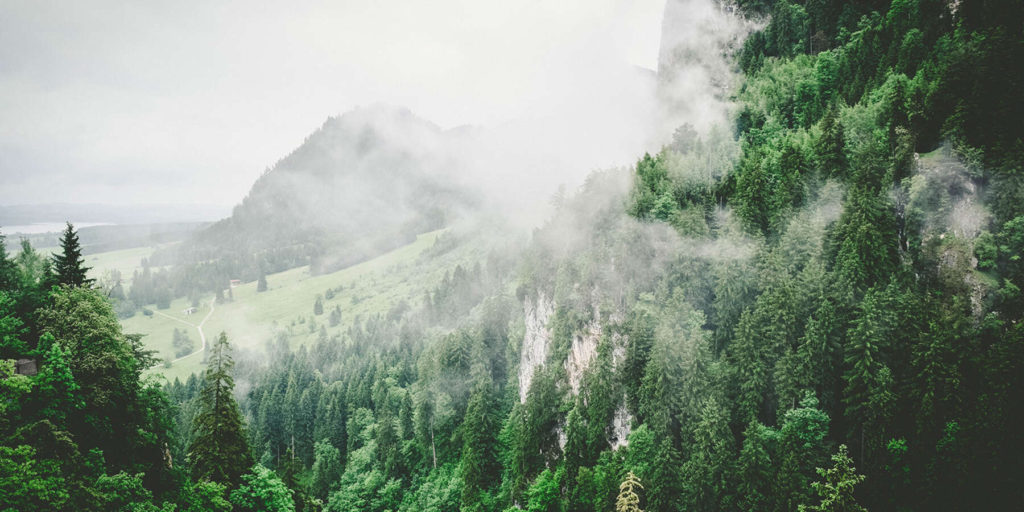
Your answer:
<point x="817" y="307"/>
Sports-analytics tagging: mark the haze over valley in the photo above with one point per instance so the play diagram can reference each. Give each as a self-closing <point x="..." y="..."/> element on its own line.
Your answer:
<point x="583" y="256"/>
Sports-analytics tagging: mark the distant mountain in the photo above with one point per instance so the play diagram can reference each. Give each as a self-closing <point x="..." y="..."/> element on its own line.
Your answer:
<point x="365" y="182"/>
<point x="26" y="214"/>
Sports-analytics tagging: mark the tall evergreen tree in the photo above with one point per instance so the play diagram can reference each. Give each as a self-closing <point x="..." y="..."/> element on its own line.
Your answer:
<point x="629" y="499"/>
<point x="68" y="263"/>
<point x="219" y="451"/>
<point x="836" y="491"/>
<point x="480" y="466"/>
<point x="8" y="269"/>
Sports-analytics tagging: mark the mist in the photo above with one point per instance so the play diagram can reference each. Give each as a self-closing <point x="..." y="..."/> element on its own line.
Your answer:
<point x="190" y="104"/>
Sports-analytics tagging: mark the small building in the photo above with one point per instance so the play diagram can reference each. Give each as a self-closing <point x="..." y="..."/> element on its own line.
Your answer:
<point x="188" y="311"/>
<point x="27" y="367"/>
<point x="236" y="283"/>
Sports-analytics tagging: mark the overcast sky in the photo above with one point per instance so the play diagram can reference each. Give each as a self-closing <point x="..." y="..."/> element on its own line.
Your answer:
<point x="189" y="101"/>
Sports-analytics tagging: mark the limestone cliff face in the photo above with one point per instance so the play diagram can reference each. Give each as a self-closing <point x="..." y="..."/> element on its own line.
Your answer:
<point x="582" y="352"/>
<point x="536" y="340"/>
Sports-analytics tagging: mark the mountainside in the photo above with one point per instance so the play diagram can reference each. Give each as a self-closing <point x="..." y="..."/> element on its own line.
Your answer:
<point x="810" y="299"/>
<point x="365" y="182"/>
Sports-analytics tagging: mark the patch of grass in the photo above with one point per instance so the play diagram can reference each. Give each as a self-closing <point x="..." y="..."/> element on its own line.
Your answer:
<point x="253" y="318"/>
<point x="124" y="261"/>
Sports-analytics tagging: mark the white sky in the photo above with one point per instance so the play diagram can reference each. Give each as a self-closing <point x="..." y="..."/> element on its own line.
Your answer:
<point x="188" y="101"/>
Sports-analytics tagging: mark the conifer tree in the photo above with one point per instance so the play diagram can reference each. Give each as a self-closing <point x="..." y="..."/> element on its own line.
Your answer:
<point x="836" y="491"/>
<point x="219" y="452"/>
<point x="8" y="269"/>
<point x="480" y="466"/>
<point x="629" y="500"/>
<point x="326" y="470"/>
<point x="67" y="264"/>
<point x="261" y="284"/>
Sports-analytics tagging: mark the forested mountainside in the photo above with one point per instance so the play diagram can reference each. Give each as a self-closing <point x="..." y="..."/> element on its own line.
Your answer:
<point x="365" y="182"/>
<point x="814" y="307"/>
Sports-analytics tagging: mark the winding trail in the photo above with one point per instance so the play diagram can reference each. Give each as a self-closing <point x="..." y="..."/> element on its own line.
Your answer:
<point x="198" y="327"/>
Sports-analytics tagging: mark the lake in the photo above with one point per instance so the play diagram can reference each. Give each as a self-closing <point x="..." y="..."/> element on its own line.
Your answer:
<point x="45" y="227"/>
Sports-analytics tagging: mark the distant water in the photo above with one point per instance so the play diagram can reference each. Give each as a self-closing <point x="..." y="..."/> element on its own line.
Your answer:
<point x="45" y="227"/>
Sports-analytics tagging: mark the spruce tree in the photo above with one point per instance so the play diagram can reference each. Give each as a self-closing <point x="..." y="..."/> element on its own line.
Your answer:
<point x="480" y="465"/>
<point x="68" y="264"/>
<point x="8" y="269"/>
<point x="219" y="452"/>
<point x="837" y="489"/>
<point x="629" y="499"/>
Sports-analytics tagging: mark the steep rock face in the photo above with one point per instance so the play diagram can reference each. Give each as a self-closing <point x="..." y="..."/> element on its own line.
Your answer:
<point x="942" y="214"/>
<point x="621" y="427"/>
<point x="536" y="340"/>
<point x="582" y="352"/>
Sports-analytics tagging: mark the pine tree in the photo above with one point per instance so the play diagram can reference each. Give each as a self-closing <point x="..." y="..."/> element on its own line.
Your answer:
<point x="755" y="473"/>
<point x="219" y="452"/>
<point x="261" y="284"/>
<point x="480" y="466"/>
<point x="67" y="264"/>
<point x="8" y="269"/>
<point x="665" y="488"/>
<point x="836" y="491"/>
<point x="326" y="470"/>
<point x="831" y="145"/>
<point x="707" y="471"/>
<point x="629" y="500"/>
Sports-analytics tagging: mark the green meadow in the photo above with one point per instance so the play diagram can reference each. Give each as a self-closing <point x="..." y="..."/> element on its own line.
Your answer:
<point x="251" y="319"/>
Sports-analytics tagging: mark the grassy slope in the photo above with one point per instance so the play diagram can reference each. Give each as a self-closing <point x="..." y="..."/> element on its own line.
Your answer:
<point x="125" y="261"/>
<point x="252" y="319"/>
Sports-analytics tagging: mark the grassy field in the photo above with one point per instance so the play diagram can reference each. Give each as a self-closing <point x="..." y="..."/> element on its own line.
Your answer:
<point x="125" y="261"/>
<point x="252" y="319"/>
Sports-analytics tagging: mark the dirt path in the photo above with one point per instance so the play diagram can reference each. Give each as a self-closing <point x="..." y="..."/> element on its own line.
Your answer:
<point x="198" y="327"/>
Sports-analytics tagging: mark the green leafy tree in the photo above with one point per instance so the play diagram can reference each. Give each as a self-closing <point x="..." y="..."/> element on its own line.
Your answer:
<point x="125" y="492"/>
<point x="12" y="329"/>
<point x="55" y="385"/>
<point x="30" y="483"/>
<point x="262" y="491"/>
<point x="204" y="496"/>
<point x="219" y="451"/>
<point x="802" y="446"/>
<point x="326" y="469"/>
<point x="68" y="263"/>
<point x="545" y="495"/>
<point x="105" y="365"/>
